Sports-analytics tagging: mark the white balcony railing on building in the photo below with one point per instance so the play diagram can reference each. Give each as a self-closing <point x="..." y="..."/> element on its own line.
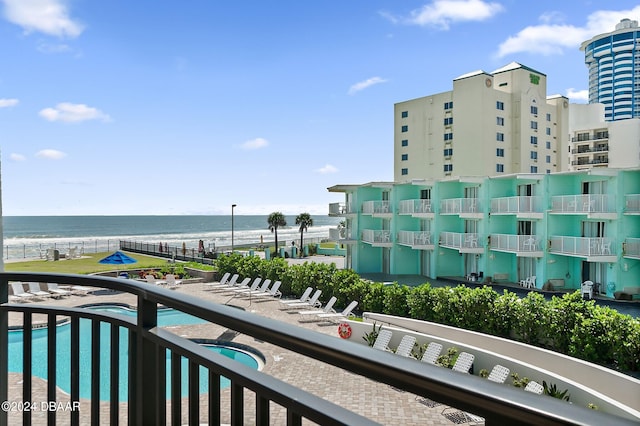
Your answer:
<point x="415" y="238"/>
<point x="459" y="205"/>
<point x="339" y="209"/>
<point x="376" y="207"/>
<point x="340" y="234"/>
<point x="515" y="205"/>
<point x="582" y="246"/>
<point x="415" y="207"/>
<point x="460" y="240"/>
<point x="632" y="203"/>
<point x="515" y="243"/>
<point x="586" y="203"/>
<point x="632" y="247"/>
<point x="374" y="236"/>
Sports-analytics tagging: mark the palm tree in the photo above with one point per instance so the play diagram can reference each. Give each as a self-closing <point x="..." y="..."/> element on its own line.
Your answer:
<point x="305" y="221"/>
<point x="275" y="220"/>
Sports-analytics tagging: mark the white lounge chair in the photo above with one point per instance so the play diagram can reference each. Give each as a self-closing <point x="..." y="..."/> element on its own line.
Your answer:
<point x="153" y="281"/>
<point x="18" y="291"/>
<point x="264" y="288"/>
<point x="225" y="285"/>
<point x="328" y="308"/>
<point x="341" y="315"/>
<point x="431" y="354"/>
<point x="534" y="387"/>
<point x="405" y="348"/>
<point x="303" y="298"/>
<point x="252" y="287"/>
<point x="244" y="284"/>
<point x="499" y="374"/>
<point x="382" y="340"/>
<point x="223" y="281"/>
<point x="313" y="302"/>
<point x="274" y="292"/>
<point x="34" y="288"/>
<point x="172" y="282"/>
<point x="55" y="290"/>
<point x="464" y="362"/>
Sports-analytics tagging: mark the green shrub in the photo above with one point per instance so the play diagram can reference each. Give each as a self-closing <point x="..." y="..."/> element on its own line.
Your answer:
<point x="395" y="300"/>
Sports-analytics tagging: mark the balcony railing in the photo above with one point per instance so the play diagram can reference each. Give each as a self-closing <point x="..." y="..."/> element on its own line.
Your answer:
<point x="516" y="205"/>
<point x="376" y="207"/>
<point x="340" y="234"/>
<point x="632" y="204"/>
<point x="583" y="204"/>
<point x="460" y="206"/>
<point x="415" y="207"/>
<point x="147" y="344"/>
<point x="521" y="244"/>
<point x="372" y="236"/>
<point x="583" y="246"/>
<point x="415" y="238"/>
<point x="465" y="242"/>
<point x="632" y="248"/>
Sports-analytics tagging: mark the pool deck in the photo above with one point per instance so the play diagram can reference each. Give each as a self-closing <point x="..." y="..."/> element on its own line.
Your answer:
<point x="374" y="400"/>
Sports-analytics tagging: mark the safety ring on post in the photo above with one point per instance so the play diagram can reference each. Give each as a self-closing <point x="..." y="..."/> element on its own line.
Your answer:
<point x="344" y="330"/>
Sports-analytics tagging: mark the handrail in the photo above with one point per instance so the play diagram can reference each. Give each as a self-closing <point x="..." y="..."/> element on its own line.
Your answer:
<point x="497" y="404"/>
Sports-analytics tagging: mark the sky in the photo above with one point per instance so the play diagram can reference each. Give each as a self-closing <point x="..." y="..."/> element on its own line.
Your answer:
<point x="120" y="107"/>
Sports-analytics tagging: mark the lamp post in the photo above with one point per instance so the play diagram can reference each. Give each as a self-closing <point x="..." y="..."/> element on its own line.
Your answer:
<point x="233" y="206"/>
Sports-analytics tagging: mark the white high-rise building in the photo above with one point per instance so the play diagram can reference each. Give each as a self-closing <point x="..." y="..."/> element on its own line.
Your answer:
<point x="489" y="124"/>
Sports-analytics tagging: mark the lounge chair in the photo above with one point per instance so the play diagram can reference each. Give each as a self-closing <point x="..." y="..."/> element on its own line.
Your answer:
<point x="34" y="288"/>
<point x="431" y="354"/>
<point x="313" y="302"/>
<point x="228" y="284"/>
<point x="252" y="287"/>
<point x="172" y="282"/>
<point x="341" y="315"/>
<point x="305" y="296"/>
<point x="499" y="374"/>
<point x="405" y="348"/>
<point x="264" y="288"/>
<point x="222" y="281"/>
<point x="382" y="340"/>
<point x="55" y="290"/>
<point x="244" y="284"/>
<point x="534" y="387"/>
<point x="153" y="281"/>
<point x="273" y="292"/>
<point x="18" y="290"/>
<point x="464" y="362"/>
<point x="328" y="308"/>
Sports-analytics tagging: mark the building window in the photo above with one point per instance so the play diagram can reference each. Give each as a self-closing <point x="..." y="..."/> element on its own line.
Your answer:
<point x="425" y="194"/>
<point x="448" y="152"/>
<point x="448" y="136"/>
<point x="548" y="171"/>
<point x="500" y="152"/>
<point x="500" y="105"/>
<point x="534" y="155"/>
<point x="448" y="168"/>
<point x="534" y="140"/>
<point x="404" y="172"/>
<point x="548" y="131"/>
<point x="405" y="114"/>
<point x="534" y="125"/>
<point x="448" y="121"/>
<point x="500" y="137"/>
<point x="405" y="129"/>
<point x="534" y="169"/>
<point x="404" y="142"/>
<point x="405" y="157"/>
<point x="548" y="144"/>
<point x="548" y="158"/>
<point x="448" y="105"/>
<point x="500" y="121"/>
<point x="534" y="110"/>
<point x="500" y="168"/>
<point x="548" y="117"/>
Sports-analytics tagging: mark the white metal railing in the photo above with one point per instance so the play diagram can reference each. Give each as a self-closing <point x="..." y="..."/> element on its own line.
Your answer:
<point x="632" y="247"/>
<point x="586" y="203"/>
<point x="337" y="234"/>
<point x="632" y="203"/>
<point x="459" y="205"/>
<point x="415" y="206"/>
<point x="415" y="238"/>
<point x="582" y="246"/>
<point x="374" y="236"/>
<point x="337" y="208"/>
<point x="460" y="240"/>
<point x="377" y="206"/>
<point x="515" y="243"/>
<point x="513" y="205"/>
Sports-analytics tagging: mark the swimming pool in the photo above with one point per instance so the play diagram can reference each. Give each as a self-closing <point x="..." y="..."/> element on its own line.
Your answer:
<point x="166" y="317"/>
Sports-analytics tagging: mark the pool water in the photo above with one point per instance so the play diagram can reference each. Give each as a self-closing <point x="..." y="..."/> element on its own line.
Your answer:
<point x="166" y="317"/>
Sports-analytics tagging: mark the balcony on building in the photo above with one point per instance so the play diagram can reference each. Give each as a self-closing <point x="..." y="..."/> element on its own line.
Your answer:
<point x="337" y="209"/>
<point x="592" y="249"/>
<point x="467" y="208"/>
<point x="464" y="242"/>
<point x="419" y="240"/>
<point x="520" y="245"/>
<point x="594" y="206"/>
<point x="631" y="248"/>
<point x="377" y="208"/>
<point x="377" y="238"/>
<point x="632" y="204"/>
<point x="420" y="208"/>
<point x="523" y="207"/>
<point x="342" y="235"/>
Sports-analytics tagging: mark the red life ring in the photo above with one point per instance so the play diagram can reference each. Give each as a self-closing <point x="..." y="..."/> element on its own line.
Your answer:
<point x="344" y="330"/>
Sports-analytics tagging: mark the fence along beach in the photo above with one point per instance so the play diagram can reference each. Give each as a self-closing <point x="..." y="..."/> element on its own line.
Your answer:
<point x="28" y="237"/>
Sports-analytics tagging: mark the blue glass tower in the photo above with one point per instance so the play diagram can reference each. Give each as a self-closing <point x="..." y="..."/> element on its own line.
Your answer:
<point x="613" y="60"/>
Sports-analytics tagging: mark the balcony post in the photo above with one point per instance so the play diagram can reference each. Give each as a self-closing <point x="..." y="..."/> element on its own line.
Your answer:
<point x="146" y="361"/>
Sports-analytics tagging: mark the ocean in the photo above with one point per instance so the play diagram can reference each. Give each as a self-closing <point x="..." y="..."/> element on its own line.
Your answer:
<point x="29" y="236"/>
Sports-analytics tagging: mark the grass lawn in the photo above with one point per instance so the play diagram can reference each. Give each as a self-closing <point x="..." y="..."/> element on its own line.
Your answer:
<point x="86" y="265"/>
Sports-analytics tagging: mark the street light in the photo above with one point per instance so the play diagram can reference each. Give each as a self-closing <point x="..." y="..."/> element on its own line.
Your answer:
<point x="232" y="207"/>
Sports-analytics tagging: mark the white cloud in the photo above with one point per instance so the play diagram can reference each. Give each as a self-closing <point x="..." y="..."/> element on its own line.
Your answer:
<point x="73" y="113"/>
<point x="51" y="154"/>
<point x="365" y="84"/>
<point x="257" y="143"/>
<point x="553" y="38"/>
<point x="578" y="95"/>
<point x="46" y="16"/>
<point x="328" y="168"/>
<point x="5" y="103"/>
<point x="17" y="157"/>
<point x="442" y="13"/>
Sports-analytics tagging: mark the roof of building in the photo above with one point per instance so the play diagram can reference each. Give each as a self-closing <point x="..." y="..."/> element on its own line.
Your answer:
<point x="471" y="74"/>
<point x="514" y="66"/>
